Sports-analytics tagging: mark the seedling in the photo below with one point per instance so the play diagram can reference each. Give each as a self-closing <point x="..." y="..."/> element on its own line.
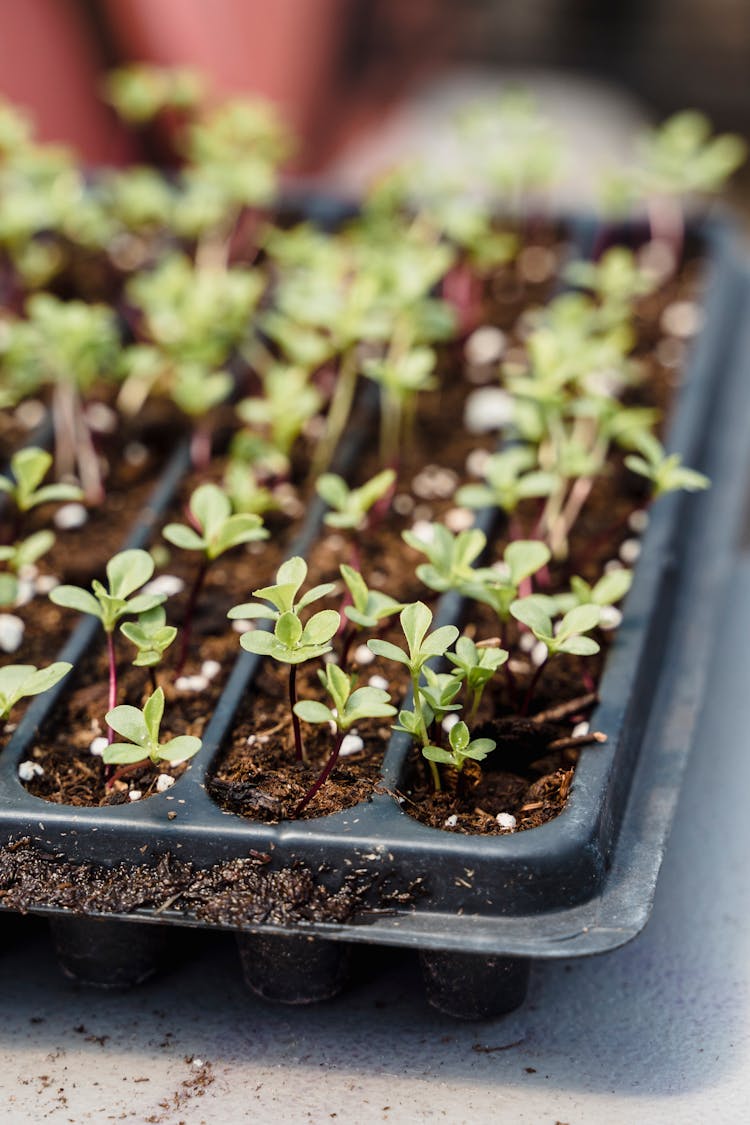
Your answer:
<point x="141" y="728"/>
<point x="678" y="159"/>
<point x="19" y="557"/>
<point x="401" y="375"/>
<point x="215" y="530"/>
<point x="610" y="589"/>
<point x="475" y="667"/>
<point x="567" y="637"/>
<point x="368" y="609"/>
<point x="665" y="471"/>
<point x="422" y="646"/>
<point x="126" y="573"/>
<point x="291" y="641"/>
<point x="439" y="691"/>
<point x="152" y="637"/>
<point x="349" y="707"/>
<point x="499" y="586"/>
<point x="451" y="556"/>
<point x="67" y="345"/>
<point x="29" y="467"/>
<point x="351" y="508"/>
<point x="462" y="748"/>
<point x="20" y="681"/>
<point x="510" y="477"/>
<point x="245" y="491"/>
<point x="616" y="280"/>
<point x="194" y="318"/>
<point x="141" y="91"/>
<point x="288" y="403"/>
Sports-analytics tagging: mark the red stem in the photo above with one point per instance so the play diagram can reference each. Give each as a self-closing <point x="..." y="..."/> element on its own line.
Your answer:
<point x="187" y="623"/>
<point x="299" y="749"/>
<point x="324" y="775"/>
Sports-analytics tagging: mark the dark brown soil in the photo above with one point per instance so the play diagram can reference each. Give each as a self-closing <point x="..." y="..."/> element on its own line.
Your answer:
<point x="235" y="893"/>
<point x="259" y="778"/>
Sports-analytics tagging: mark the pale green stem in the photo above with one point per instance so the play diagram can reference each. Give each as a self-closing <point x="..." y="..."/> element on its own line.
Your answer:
<point x="338" y="412"/>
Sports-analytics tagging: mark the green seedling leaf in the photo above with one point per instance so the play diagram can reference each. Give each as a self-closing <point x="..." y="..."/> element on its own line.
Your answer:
<point x="220" y="530"/>
<point x="20" y="681"/>
<point x="151" y="636"/>
<point x="349" y="706"/>
<point x="369" y="607"/>
<point x="451" y="556"/>
<point x="462" y="747"/>
<point x="125" y="572"/>
<point x="350" y="507"/>
<point x="29" y="467"/>
<point x="141" y="728"/>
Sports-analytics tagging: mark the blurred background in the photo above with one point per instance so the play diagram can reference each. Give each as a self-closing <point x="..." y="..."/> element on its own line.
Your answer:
<point x="363" y="81"/>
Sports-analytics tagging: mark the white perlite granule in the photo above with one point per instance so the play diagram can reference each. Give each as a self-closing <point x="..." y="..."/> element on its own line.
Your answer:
<point x="27" y="771"/>
<point x="70" y="516"/>
<point x="487" y="409"/>
<point x="167" y="584"/>
<point x="506" y="820"/>
<point x="163" y="782"/>
<point x="12" y="630"/>
<point x="485" y="345"/>
<point x="351" y="744"/>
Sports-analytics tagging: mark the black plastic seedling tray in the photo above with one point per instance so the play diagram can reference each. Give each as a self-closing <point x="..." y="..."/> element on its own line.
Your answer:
<point x="478" y="909"/>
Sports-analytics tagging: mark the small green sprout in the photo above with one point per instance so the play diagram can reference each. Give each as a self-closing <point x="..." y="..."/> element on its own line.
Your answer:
<point x="291" y="641"/>
<point x="369" y="607"/>
<point x="29" y="467"/>
<point x="439" y="692"/>
<point x="218" y="529"/>
<point x="139" y="92"/>
<point x="610" y="589"/>
<point x="510" y="477"/>
<point x="681" y="156"/>
<point x="141" y="727"/>
<point x="20" y="681"/>
<point x="349" y="707"/>
<point x="665" y="471"/>
<point x="422" y="646"/>
<point x="288" y="402"/>
<point x="126" y="573"/>
<point x="616" y="280"/>
<point x="401" y="375"/>
<point x="68" y="346"/>
<point x="451" y="556"/>
<point x="475" y="666"/>
<point x="499" y="588"/>
<point x="18" y="557"/>
<point x="151" y="636"/>
<point x="245" y="491"/>
<point x="568" y="637"/>
<point x="350" y="507"/>
<point x="462" y="748"/>
<point x="215" y="530"/>
<point x="367" y="610"/>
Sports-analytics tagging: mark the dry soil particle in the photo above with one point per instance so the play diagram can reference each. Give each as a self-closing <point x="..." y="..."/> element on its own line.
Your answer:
<point x="234" y="893"/>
